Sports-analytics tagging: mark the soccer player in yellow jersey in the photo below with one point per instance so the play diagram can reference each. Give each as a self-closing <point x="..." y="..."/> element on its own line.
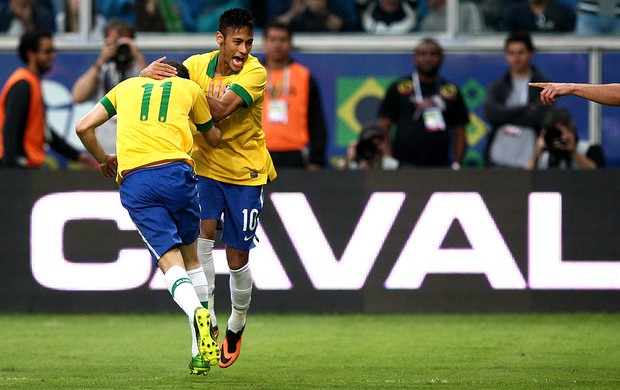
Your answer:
<point x="158" y="185"/>
<point x="231" y="175"/>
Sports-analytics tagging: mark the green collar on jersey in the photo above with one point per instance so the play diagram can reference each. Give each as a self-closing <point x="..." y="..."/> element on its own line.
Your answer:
<point x="213" y="65"/>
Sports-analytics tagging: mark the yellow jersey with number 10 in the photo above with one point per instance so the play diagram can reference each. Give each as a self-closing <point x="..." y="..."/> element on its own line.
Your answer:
<point x="241" y="157"/>
<point x="153" y="120"/>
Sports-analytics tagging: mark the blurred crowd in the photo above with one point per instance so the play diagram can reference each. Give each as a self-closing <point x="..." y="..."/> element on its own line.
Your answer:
<point x="583" y="17"/>
<point x="420" y="122"/>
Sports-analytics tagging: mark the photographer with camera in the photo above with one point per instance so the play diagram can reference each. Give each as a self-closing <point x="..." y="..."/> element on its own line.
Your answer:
<point x="118" y="60"/>
<point x="369" y="151"/>
<point x="558" y="146"/>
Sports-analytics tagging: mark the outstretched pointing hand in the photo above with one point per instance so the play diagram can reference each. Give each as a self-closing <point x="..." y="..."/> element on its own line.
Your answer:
<point x="551" y="91"/>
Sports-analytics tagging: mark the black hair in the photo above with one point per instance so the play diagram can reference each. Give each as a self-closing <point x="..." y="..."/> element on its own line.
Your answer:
<point x="431" y="41"/>
<point x="236" y="19"/>
<point x="182" y="71"/>
<point x="561" y="115"/>
<point x="277" y="25"/>
<point x="125" y="29"/>
<point x="31" y="41"/>
<point x="520" y="36"/>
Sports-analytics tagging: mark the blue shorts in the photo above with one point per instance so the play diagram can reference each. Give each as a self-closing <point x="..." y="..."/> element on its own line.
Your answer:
<point x="237" y="207"/>
<point x="163" y="203"/>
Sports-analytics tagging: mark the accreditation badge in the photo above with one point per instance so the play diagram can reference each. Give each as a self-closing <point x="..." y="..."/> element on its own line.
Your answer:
<point x="278" y="111"/>
<point x="433" y="119"/>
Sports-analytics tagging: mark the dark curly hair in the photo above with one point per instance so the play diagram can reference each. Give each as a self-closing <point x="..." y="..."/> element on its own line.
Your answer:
<point x="182" y="71"/>
<point x="561" y="115"/>
<point x="31" y="41"/>
<point x="236" y="19"/>
<point x="520" y="36"/>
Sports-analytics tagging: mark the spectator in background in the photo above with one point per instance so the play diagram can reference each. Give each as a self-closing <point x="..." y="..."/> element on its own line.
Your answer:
<point x="387" y="16"/>
<point x="598" y="17"/>
<point x="119" y="59"/>
<point x="369" y="151"/>
<point x="118" y="9"/>
<point x="513" y="108"/>
<point x="315" y="16"/>
<point x="293" y="119"/>
<point x="23" y="132"/>
<point x="429" y="113"/>
<point x="68" y="18"/>
<point x="493" y="12"/>
<point x="558" y="145"/>
<point x="539" y="16"/>
<point x="261" y="12"/>
<point x="149" y="16"/>
<point x="208" y="12"/>
<point x="471" y="20"/>
<point x="154" y="15"/>
<point x="20" y="16"/>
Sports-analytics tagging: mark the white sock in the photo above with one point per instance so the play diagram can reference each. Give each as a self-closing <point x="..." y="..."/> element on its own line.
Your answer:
<point x="205" y="255"/>
<point x="240" y="296"/>
<point x="236" y="321"/>
<point x="199" y="280"/>
<point x="182" y="291"/>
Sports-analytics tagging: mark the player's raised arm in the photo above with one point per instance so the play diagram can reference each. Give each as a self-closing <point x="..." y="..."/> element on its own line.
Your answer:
<point x="159" y="70"/>
<point x="608" y="94"/>
<point x="85" y="130"/>
<point x="222" y="102"/>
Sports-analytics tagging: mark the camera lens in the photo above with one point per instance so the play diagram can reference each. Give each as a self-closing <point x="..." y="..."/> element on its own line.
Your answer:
<point x="553" y="137"/>
<point x="123" y="55"/>
<point x="366" y="150"/>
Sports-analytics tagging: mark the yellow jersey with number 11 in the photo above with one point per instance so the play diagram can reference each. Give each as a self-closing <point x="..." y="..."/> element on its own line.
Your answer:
<point x="153" y="120"/>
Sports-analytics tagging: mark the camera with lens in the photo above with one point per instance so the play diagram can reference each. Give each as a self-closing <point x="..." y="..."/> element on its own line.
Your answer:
<point x="553" y="138"/>
<point x="123" y="56"/>
<point x="367" y="149"/>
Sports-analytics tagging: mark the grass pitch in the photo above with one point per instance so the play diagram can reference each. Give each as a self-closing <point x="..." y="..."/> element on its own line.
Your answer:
<point x="487" y="351"/>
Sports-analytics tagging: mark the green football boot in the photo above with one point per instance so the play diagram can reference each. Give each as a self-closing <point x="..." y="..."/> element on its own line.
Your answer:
<point x="198" y="366"/>
<point x="205" y="336"/>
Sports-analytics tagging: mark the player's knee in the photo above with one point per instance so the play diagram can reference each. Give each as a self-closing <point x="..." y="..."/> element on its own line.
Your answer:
<point x="208" y="228"/>
<point x="236" y="258"/>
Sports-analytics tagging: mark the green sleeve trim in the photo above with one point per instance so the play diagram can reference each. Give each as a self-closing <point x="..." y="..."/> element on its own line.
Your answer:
<point x="109" y="107"/>
<point x="247" y="99"/>
<point x="202" y="127"/>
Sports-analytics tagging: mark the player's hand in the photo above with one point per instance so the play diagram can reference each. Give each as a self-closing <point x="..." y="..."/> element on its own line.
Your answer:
<point x="158" y="70"/>
<point x="109" y="166"/>
<point x="551" y="91"/>
<point x="215" y="91"/>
